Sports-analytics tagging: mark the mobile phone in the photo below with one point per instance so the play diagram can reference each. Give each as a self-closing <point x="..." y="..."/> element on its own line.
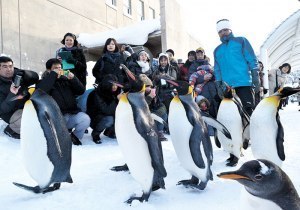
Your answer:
<point x="163" y="82"/>
<point x="17" y="80"/>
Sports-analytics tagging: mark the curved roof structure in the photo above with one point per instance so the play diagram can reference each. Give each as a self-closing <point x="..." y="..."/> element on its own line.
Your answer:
<point x="283" y="44"/>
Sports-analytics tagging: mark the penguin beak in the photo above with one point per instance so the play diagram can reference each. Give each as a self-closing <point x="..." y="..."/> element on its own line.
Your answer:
<point x="129" y="74"/>
<point x="233" y="175"/>
<point x="286" y="91"/>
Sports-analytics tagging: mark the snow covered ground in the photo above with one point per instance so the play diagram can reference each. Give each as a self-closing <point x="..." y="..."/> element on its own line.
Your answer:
<point x="97" y="187"/>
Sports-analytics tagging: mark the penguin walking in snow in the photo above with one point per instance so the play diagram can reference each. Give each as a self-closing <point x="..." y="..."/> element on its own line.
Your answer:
<point x="266" y="185"/>
<point x="232" y="115"/>
<point x="45" y="143"/>
<point x="190" y="136"/>
<point x="266" y="131"/>
<point x="137" y="137"/>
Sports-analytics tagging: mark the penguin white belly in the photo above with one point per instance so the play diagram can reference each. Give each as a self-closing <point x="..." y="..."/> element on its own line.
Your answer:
<point x="263" y="133"/>
<point x="180" y="130"/>
<point x="251" y="202"/>
<point x="134" y="147"/>
<point x="34" y="147"/>
<point x="230" y="117"/>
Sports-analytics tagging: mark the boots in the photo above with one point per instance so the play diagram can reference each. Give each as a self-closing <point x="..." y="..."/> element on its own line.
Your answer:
<point x="96" y="137"/>
<point x="8" y="131"/>
<point x="75" y="140"/>
<point x="109" y="132"/>
<point x="161" y="136"/>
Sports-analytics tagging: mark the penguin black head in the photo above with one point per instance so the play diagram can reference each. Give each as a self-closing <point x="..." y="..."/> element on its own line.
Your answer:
<point x="135" y="84"/>
<point x="260" y="177"/>
<point x="286" y="91"/>
<point x="182" y="87"/>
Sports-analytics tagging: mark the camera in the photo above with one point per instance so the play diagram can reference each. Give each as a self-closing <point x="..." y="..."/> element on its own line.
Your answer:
<point x="64" y="73"/>
<point x="17" y="81"/>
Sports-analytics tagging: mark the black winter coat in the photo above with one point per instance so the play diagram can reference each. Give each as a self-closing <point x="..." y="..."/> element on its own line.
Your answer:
<point x="63" y="91"/>
<point x="109" y="63"/>
<point x="80" y="65"/>
<point x="102" y="102"/>
<point x="7" y="106"/>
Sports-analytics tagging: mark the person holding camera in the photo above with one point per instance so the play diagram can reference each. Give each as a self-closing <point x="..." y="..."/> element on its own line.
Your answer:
<point x="13" y="94"/>
<point x="164" y="72"/>
<point x="64" y="86"/>
<point x="74" y="56"/>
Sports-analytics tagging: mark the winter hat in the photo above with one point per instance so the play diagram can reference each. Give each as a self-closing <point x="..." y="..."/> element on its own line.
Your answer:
<point x="180" y="61"/>
<point x="171" y="51"/>
<point x="200" y="49"/>
<point x="192" y="52"/>
<point x="223" y="24"/>
<point x="143" y="52"/>
<point x="163" y="55"/>
<point x="146" y="80"/>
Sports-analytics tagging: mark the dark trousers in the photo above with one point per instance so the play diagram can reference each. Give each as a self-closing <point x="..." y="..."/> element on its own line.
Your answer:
<point x="246" y="94"/>
<point x="105" y="122"/>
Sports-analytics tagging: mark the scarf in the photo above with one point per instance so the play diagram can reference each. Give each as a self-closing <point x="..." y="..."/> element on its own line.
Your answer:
<point x="144" y="65"/>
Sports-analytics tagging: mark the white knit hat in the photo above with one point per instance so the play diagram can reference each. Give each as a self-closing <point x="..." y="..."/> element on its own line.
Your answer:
<point x="222" y="24"/>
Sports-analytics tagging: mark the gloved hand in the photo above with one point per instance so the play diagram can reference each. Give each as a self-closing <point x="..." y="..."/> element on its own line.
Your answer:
<point x="71" y="60"/>
<point x="221" y="87"/>
<point x="255" y="80"/>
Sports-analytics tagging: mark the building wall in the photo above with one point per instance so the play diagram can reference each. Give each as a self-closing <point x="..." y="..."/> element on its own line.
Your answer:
<point x="31" y="31"/>
<point x="174" y="35"/>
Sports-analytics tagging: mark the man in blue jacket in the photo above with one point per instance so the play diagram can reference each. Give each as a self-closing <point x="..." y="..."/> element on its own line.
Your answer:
<point x="236" y="65"/>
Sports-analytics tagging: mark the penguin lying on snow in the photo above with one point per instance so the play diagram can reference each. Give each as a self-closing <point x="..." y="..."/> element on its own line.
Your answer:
<point x="267" y="185"/>
<point x="137" y="137"/>
<point x="232" y="115"/>
<point x="266" y="131"/>
<point x="190" y="136"/>
<point x="45" y="143"/>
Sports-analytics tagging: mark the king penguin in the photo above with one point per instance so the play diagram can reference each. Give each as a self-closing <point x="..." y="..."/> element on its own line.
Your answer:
<point x="137" y="137"/>
<point x="190" y="136"/>
<point x="45" y="143"/>
<point x="266" y="186"/>
<point x="232" y="115"/>
<point x="266" y="131"/>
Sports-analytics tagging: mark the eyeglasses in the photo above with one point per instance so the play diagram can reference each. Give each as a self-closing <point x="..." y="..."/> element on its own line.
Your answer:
<point x="199" y="52"/>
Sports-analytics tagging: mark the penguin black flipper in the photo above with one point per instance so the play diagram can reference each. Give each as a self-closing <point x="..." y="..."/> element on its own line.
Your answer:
<point x="156" y="152"/>
<point x="54" y="133"/>
<point x="217" y="141"/>
<point x="245" y="121"/>
<point x="194" y="144"/>
<point x="216" y="124"/>
<point x="280" y="139"/>
<point x="53" y="124"/>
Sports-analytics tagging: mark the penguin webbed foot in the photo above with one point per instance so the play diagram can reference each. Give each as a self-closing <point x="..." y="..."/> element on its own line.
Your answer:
<point x="120" y="168"/>
<point x="55" y="186"/>
<point x="143" y="198"/>
<point x="193" y="181"/>
<point x="35" y="189"/>
<point x="159" y="184"/>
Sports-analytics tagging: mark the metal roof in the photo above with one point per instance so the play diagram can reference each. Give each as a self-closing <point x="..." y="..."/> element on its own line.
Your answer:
<point x="283" y="44"/>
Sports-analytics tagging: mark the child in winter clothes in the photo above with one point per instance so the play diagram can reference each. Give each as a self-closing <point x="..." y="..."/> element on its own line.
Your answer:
<point x="203" y="82"/>
<point x="204" y="105"/>
<point x="141" y="65"/>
